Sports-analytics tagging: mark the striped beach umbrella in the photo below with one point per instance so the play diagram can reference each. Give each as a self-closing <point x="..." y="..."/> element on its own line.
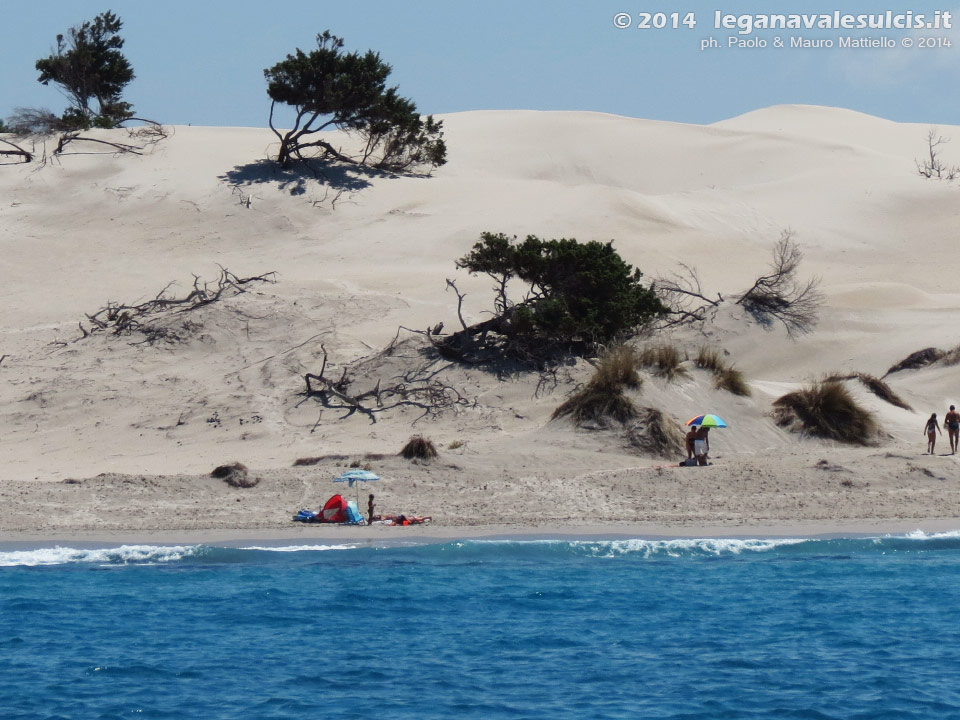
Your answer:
<point x="707" y="421"/>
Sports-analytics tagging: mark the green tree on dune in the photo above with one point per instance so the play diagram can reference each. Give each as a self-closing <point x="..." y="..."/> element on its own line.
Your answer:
<point x="578" y="296"/>
<point x="90" y="68"/>
<point x="333" y="89"/>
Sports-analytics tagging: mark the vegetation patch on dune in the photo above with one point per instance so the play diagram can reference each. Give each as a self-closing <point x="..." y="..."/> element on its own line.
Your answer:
<point x="882" y="390"/>
<point x="235" y="474"/>
<point x="826" y="409"/>
<point x="918" y="359"/>
<point x="725" y="377"/>
<point x="664" y="360"/>
<point x="419" y="448"/>
<point x="603" y="398"/>
<point x="655" y="433"/>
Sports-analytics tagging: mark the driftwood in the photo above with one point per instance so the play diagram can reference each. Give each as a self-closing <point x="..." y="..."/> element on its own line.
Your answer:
<point x="17" y="151"/>
<point x="419" y="388"/>
<point x="121" y="319"/>
<point x="39" y="126"/>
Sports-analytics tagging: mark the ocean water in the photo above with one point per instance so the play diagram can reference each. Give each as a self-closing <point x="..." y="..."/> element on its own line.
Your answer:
<point x="671" y="629"/>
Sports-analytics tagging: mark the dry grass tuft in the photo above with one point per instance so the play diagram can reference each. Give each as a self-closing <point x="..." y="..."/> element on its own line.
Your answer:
<point x="235" y="474"/>
<point x="603" y="399"/>
<point x="334" y="457"/>
<point x="731" y="380"/>
<point x="656" y="434"/>
<point x="952" y="356"/>
<point x="419" y="448"/>
<point x="665" y="360"/>
<point x="725" y="377"/>
<point x="919" y="359"/>
<point x="307" y="461"/>
<point x="708" y="359"/>
<point x="618" y="368"/>
<point x="826" y="409"/>
<point x="883" y="391"/>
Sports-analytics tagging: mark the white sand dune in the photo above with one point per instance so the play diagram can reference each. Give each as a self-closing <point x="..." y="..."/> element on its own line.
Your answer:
<point x="365" y="253"/>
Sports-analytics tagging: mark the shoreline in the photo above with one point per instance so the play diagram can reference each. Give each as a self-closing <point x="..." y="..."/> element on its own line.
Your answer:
<point x="317" y="535"/>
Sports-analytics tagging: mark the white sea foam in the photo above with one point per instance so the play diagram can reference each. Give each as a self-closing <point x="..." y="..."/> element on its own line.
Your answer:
<point x="299" y="548"/>
<point x="679" y="547"/>
<point x="921" y="535"/>
<point x="122" y="555"/>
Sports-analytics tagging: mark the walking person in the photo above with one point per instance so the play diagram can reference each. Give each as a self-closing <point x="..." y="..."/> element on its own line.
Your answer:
<point x="931" y="429"/>
<point x="952" y="421"/>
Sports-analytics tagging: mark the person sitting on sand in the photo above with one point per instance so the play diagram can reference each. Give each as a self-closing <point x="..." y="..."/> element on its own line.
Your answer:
<point x="952" y="421"/>
<point x="701" y="445"/>
<point x="931" y="429"/>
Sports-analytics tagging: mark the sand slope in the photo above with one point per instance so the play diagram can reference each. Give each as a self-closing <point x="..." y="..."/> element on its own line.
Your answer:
<point x="363" y="253"/>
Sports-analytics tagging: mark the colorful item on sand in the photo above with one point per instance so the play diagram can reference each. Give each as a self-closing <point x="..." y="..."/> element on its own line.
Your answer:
<point x="707" y="421"/>
<point x="355" y="476"/>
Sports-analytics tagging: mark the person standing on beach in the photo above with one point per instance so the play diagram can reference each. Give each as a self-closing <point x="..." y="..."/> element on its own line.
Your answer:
<point x="701" y="445"/>
<point x="931" y="429"/>
<point x="952" y="421"/>
<point x="370" y="507"/>
<point x="691" y="438"/>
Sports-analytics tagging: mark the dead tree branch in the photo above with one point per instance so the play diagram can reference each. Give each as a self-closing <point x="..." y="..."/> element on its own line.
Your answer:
<point x="780" y="296"/>
<point x="683" y="294"/>
<point x="39" y="123"/>
<point x="460" y="296"/>
<point x="17" y="151"/>
<point x="122" y="319"/>
<point x="933" y="165"/>
<point x="418" y="387"/>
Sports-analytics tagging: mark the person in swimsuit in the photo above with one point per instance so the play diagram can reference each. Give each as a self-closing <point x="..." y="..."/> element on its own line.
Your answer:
<point x="406" y="519"/>
<point x="701" y="446"/>
<point x="952" y="421"/>
<point x="370" y="506"/>
<point x="691" y="437"/>
<point x="931" y="429"/>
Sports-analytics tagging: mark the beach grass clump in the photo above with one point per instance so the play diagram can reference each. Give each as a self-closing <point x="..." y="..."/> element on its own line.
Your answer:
<point x="826" y="409"/>
<point x="603" y="398"/>
<point x="731" y="380"/>
<point x="725" y="377"/>
<point x="665" y="360"/>
<point x="419" y="448"/>
<point x="882" y="390"/>
<point x="918" y="359"/>
<point x="951" y="356"/>
<point x="654" y="433"/>
<point x="235" y="474"/>
<point x="618" y="368"/>
<point x="709" y="359"/>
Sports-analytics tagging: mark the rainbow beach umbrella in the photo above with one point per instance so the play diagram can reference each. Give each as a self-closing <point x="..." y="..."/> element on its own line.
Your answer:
<point x="707" y="421"/>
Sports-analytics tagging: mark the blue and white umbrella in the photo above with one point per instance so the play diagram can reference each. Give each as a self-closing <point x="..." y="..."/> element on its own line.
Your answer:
<point x="354" y="477"/>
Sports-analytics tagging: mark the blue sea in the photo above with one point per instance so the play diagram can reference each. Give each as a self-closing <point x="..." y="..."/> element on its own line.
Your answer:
<point x="863" y="628"/>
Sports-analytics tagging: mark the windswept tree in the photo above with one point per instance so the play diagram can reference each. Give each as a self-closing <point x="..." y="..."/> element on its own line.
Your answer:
<point x="89" y="67"/>
<point x="578" y="296"/>
<point x="332" y="89"/>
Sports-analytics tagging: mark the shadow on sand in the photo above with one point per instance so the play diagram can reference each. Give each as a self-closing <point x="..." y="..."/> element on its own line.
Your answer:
<point x="295" y="179"/>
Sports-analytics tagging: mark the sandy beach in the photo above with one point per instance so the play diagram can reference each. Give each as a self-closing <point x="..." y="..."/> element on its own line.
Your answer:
<point x="112" y="438"/>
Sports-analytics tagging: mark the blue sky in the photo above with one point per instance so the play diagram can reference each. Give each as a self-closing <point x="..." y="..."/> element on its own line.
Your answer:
<point x="202" y="62"/>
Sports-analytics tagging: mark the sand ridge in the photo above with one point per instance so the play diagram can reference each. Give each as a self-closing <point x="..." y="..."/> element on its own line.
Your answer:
<point x="157" y="418"/>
